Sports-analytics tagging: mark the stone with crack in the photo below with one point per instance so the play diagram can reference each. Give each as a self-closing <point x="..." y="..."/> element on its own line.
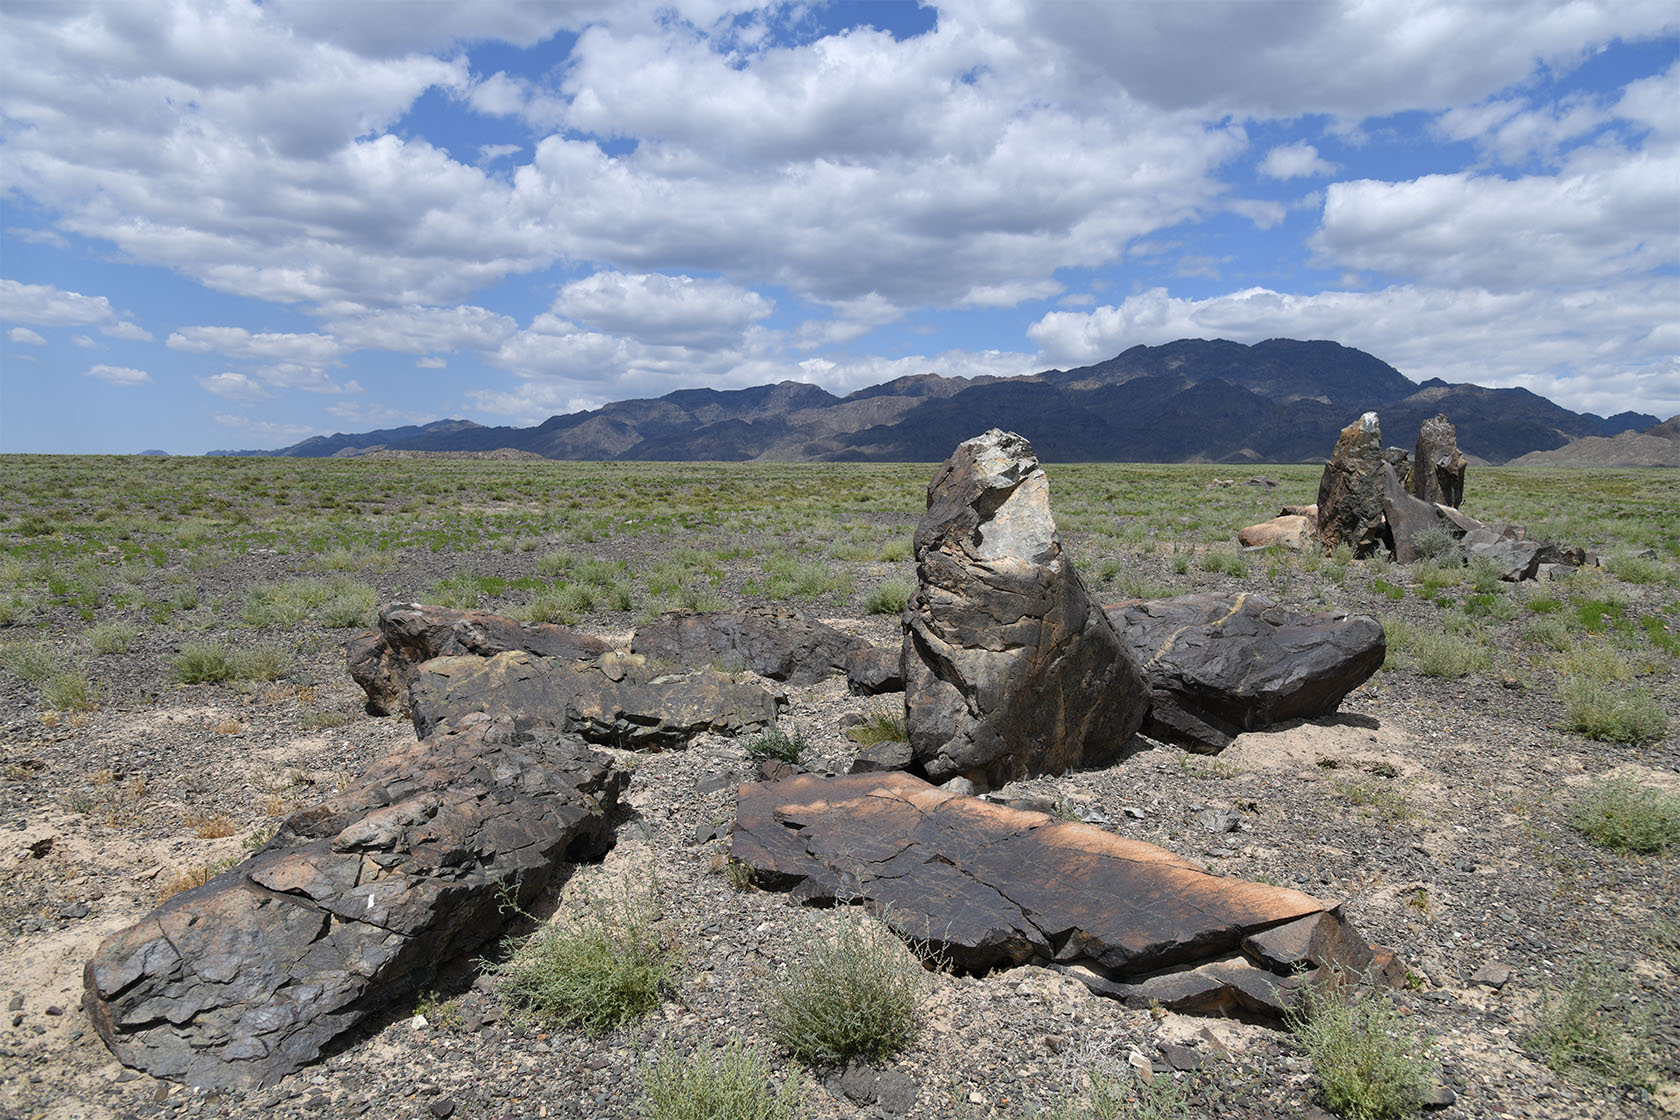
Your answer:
<point x="352" y="904"/>
<point x="773" y="642"/>
<point x="1350" y="492"/>
<point x="986" y="887"/>
<point x="1010" y="667"/>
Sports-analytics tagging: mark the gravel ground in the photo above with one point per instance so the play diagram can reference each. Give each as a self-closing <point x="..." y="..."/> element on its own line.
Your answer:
<point x="1437" y="810"/>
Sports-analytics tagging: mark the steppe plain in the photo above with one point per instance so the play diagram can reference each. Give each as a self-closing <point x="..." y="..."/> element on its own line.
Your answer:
<point x="1437" y="805"/>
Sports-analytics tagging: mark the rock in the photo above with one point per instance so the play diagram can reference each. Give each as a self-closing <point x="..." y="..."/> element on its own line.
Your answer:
<point x="409" y="634"/>
<point x="353" y="904"/>
<point x="1219" y="820"/>
<point x="1290" y="531"/>
<point x="616" y="699"/>
<point x="1493" y="975"/>
<point x="1517" y="558"/>
<point x="1408" y="517"/>
<point x="1010" y="669"/>
<point x="883" y="756"/>
<point x="1218" y="665"/>
<point x="1438" y="1096"/>
<point x="1262" y="480"/>
<point x="773" y="642"/>
<point x="1438" y="472"/>
<point x="872" y="670"/>
<point x="1181" y="1058"/>
<point x="990" y="887"/>
<point x="1309" y="512"/>
<point x="1350" y="492"/>
<point x="895" y="1092"/>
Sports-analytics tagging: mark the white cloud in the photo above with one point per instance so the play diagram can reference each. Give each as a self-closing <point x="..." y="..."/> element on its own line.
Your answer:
<point x="237" y="342"/>
<point x="657" y="310"/>
<point x="268" y="432"/>
<point x="119" y="375"/>
<point x="87" y="342"/>
<point x="127" y="332"/>
<point x="432" y="362"/>
<point x="419" y="330"/>
<point x="26" y="336"/>
<point x="235" y="387"/>
<point x="44" y="305"/>
<point x="1295" y="161"/>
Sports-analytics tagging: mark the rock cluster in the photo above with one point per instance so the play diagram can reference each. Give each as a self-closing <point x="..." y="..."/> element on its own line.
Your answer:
<point x="985" y="886"/>
<point x="1010" y="667"/>
<point x="352" y="904"/>
<point x="773" y="642"/>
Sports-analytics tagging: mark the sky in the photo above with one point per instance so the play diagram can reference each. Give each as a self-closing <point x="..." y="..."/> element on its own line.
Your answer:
<point x="238" y="224"/>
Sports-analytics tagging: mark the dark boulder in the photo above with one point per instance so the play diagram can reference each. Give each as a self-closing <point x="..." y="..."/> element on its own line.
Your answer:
<point x="1438" y="470"/>
<point x="353" y="904"/>
<point x="1219" y="665"/>
<point x="1010" y="668"/>
<point x="617" y="699"/>
<point x="989" y="887"/>
<point x="1408" y="518"/>
<point x="1350" y="492"/>
<point x="780" y="644"/>
<point x="874" y="670"/>
<point x="409" y="634"/>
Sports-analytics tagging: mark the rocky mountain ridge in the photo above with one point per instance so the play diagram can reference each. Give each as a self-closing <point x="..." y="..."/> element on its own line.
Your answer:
<point x="1193" y="400"/>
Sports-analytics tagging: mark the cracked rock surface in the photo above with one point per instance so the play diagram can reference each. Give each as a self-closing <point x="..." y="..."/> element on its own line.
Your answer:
<point x="1010" y="667"/>
<point x="774" y="642"/>
<point x="352" y="904"/>
<point x="1219" y="664"/>
<point x="989" y="886"/>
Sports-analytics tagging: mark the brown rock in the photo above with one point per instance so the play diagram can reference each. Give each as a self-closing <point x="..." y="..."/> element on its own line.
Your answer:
<point x="773" y="642"/>
<point x="1290" y="531"/>
<point x="1350" y="492"/>
<point x="872" y="671"/>
<point x="1438" y="472"/>
<point x="1010" y="668"/>
<point x="1218" y="665"/>
<point x="618" y="699"/>
<point x="991" y="886"/>
<point x="353" y="904"/>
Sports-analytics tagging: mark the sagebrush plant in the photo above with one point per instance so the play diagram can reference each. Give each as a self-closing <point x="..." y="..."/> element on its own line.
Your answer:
<point x="1371" y="1064"/>
<point x="1611" y="715"/>
<point x="857" y="993"/>
<point x="889" y="596"/>
<point x="212" y="663"/>
<point x="602" y="965"/>
<point x="730" y="1082"/>
<point x="112" y="637"/>
<point x="879" y="727"/>
<point x="1584" y="1030"/>
<point x="786" y="744"/>
<point x="1626" y="815"/>
<point x="28" y="661"/>
<point x="1114" y="1094"/>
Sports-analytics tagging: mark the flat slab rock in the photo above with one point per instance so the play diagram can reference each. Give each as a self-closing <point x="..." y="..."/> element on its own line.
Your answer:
<point x="618" y="699"/>
<point x="991" y="887"/>
<point x="1219" y="665"/>
<point x="354" y="903"/>
<point x="780" y="644"/>
<point x="382" y="660"/>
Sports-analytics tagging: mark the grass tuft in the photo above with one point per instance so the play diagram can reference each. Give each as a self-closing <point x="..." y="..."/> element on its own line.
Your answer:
<point x="1611" y="715"/>
<point x="774" y="742"/>
<point x="889" y="597"/>
<point x="1626" y="815"/>
<point x="1370" y="1064"/>
<point x="857" y="994"/>
<point x="730" y="1083"/>
<point x="1583" y="1032"/>
<point x="879" y="727"/>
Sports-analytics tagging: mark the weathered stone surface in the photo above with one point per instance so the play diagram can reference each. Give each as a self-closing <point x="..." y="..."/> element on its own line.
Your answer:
<point x="991" y="886"/>
<point x="771" y="641"/>
<point x="874" y="670"/>
<point x="1408" y="517"/>
<point x="1219" y="664"/>
<point x="1290" y="531"/>
<point x="1517" y="557"/>
<point x="1438" y="467"/>
<point x="1350" y="492"/>
<point x="891" y="755"/>
<point x="354" y="903"/>
<point x="381" y="661"/>
<point x="1009" y="667"/>
<point x="616" y="699"/>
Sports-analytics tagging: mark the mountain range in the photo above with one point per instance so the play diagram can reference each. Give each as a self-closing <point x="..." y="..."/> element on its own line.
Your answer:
<point x="1193" y="400"/>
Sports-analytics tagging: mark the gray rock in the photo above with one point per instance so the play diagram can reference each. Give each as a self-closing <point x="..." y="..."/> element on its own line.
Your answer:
<point x="1493" y="975"/>
<point x="1408" y="517"/>
<point x="1218" y="665"/>
<point x="1350" y="492"/>
<point x="1010" y="668"/>
<point x="773" y="642"/>
<point x="872" y="671"/>
<point x="882" y="756"/>
<point x="1438" y="472"/>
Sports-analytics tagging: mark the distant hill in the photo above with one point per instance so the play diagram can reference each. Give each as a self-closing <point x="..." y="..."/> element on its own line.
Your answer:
<point x="1657" y="446"/>
<point x="1193" y="400"/>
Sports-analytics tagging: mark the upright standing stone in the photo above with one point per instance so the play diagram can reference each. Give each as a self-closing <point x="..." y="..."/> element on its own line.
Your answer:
<point x="1350" y="494"/>
<point x="1438" y="468"/>
<point x="1010" y="668"/>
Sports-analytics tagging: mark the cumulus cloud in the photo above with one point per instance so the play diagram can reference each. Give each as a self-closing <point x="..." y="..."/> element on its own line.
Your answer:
<point x="237" y="342"/>
<point x="235" y="387"/>
<point x="433" y="362"/>
<point x="44" y="305"/>
<point x="119" y="375"/>
<point x="420" y="330"/>
<point x="26" y="336"/>
<point x="661" y="310"/>
<point x="1295" y="161"/>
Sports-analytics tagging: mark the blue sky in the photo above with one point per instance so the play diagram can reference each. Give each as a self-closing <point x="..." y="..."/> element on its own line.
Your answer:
<point x="235" y="225"/>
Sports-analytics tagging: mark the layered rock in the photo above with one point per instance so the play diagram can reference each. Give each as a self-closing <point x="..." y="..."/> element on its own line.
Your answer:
<point x="780" y="644"/>
<point x="1438" y="467"/>
<point x="353" y="903"/>
<point x="987" y="887"/>
<point x="1010" y="668"/>
<point x="1350" y="492"/>
<point x="1219" y="665"/>
<point x="617" y="699"/>
<point x="872" y="671"/>
<point x="383" y="659"/>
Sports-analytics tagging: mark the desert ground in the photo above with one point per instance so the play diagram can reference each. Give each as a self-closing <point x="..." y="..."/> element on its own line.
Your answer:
<point x="172" y="685"/>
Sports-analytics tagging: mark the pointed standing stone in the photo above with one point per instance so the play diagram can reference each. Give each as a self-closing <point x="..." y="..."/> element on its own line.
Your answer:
<point x="1350" y="494"/>
<point x="1438" y="466"/>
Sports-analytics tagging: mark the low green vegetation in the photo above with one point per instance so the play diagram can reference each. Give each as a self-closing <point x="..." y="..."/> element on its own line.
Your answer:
<point x="1586" y="1031"/>
<point x="1371" y="1063"/>
<point x="213" y="663"/>
<point x="879" y="726"/>
<point x="731" y="1082"/>
<point x="1609" y="714"/>
<point x="889" y="597"/>
<point x="1626" y="815"/>
<point x="778" y="742"/>
<point x="858" y="992"/>
<point x="601" y="965"/>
